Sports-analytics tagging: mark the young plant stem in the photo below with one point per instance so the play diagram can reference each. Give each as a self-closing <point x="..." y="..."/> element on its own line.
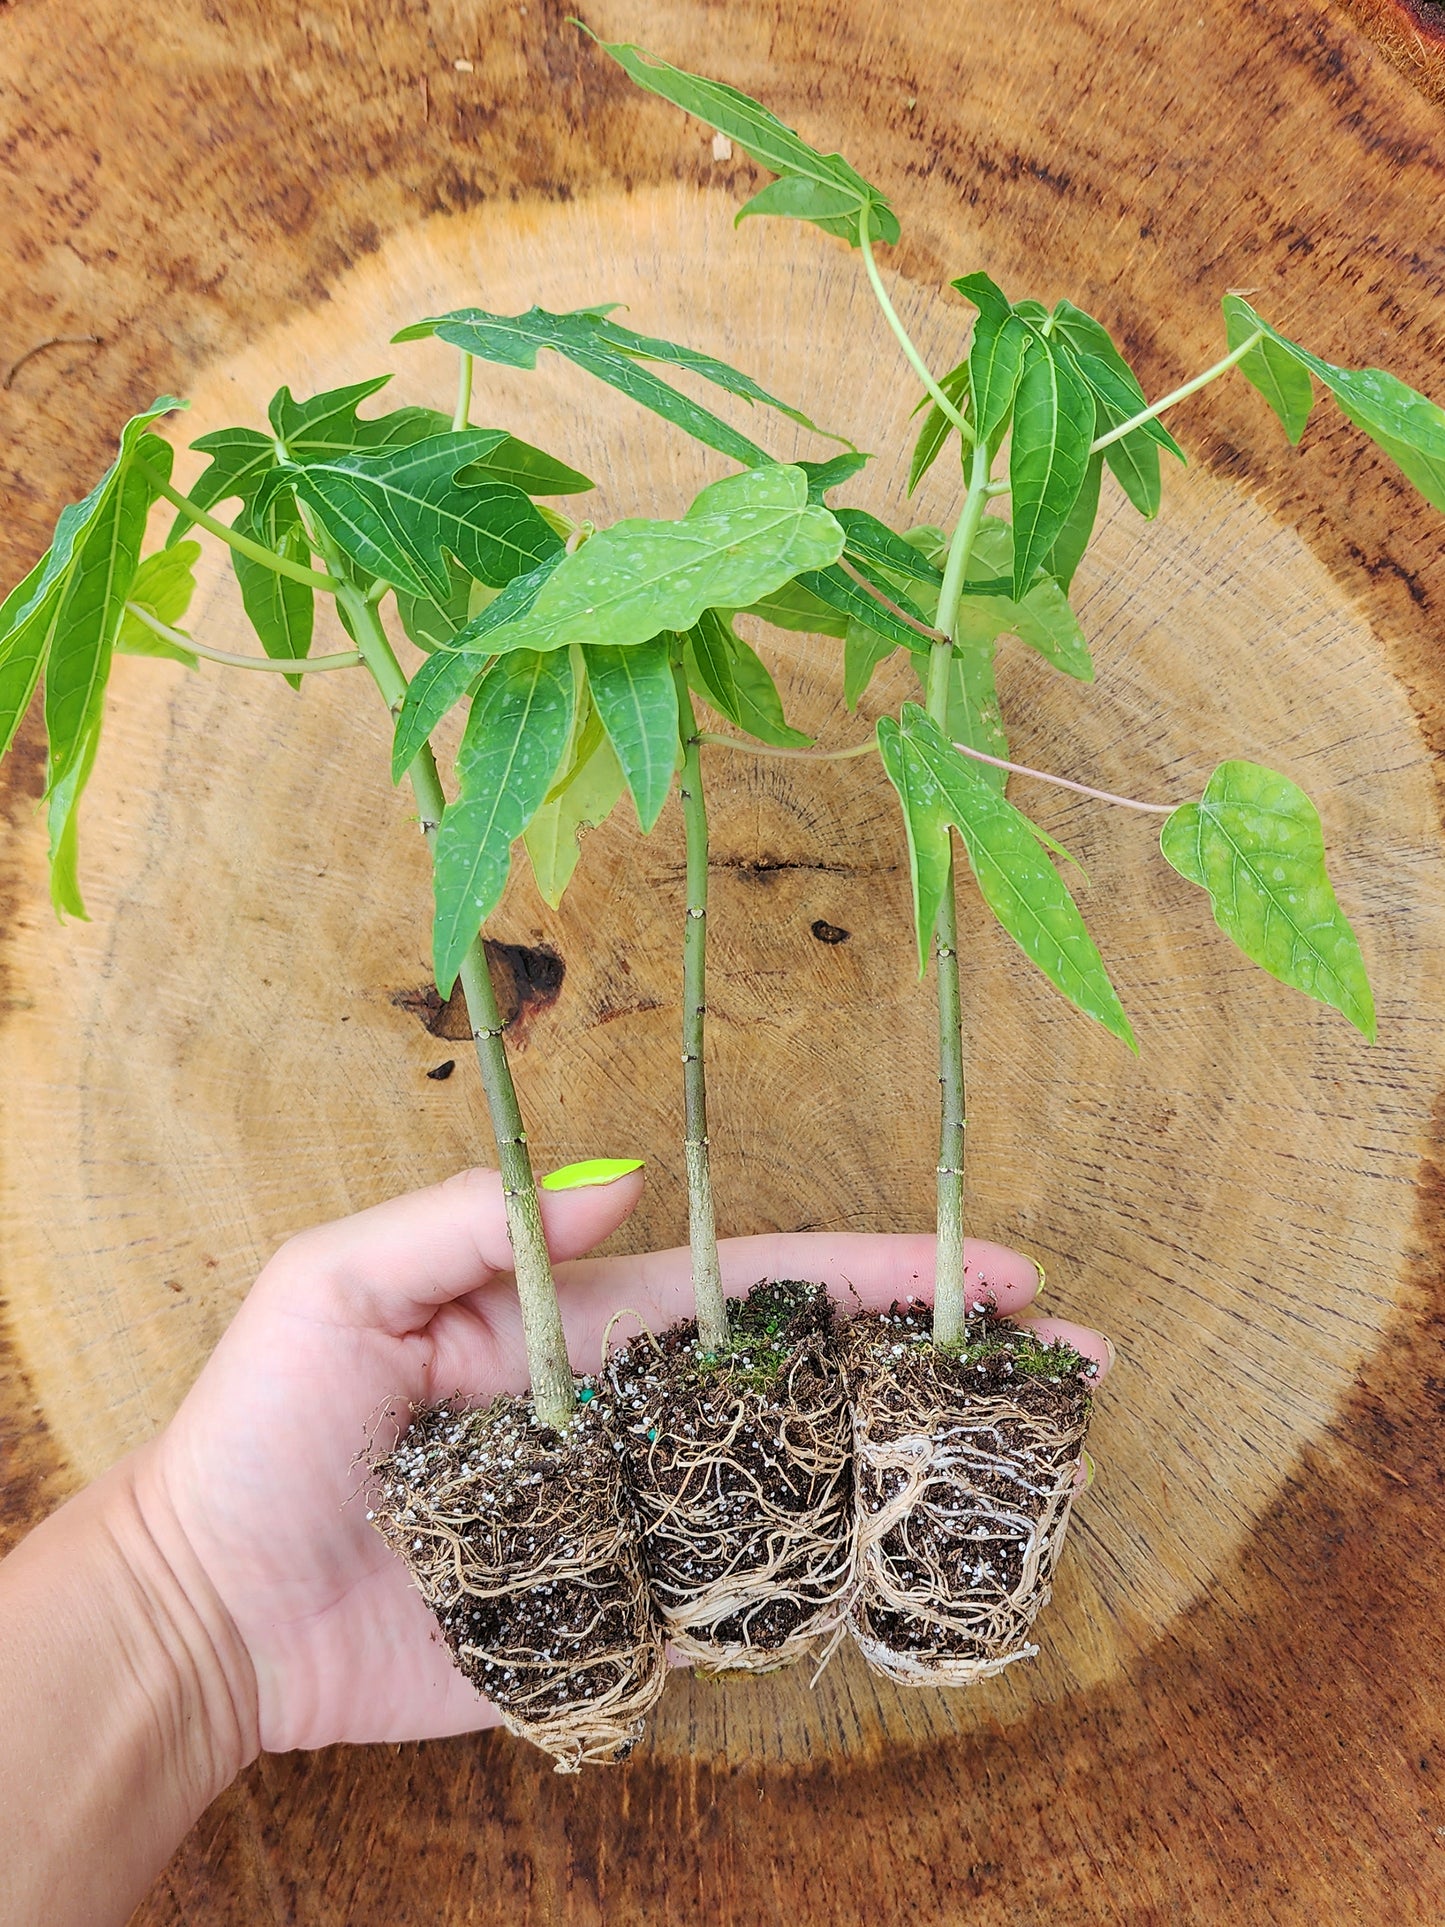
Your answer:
<point x="464" y="393"/>
<point x="280" y="665"/>
<point x="243" y="545"/>
<point x="707" y="1288"/>
<point x="554" y="1395"/>
<point x="950" y="1303"/>
<point x="1157" y="408"/>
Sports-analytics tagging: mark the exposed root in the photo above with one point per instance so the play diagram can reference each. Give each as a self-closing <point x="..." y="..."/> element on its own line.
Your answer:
<point x="740" y="1469"/>
<point x="522" y="1542"/>
<point x="965" y="1479"/>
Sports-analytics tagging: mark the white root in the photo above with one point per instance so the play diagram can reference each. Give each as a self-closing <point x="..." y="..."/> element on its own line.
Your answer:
<point x="963" y="1499"/>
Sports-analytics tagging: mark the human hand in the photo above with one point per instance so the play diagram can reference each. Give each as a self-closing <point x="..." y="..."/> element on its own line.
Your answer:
<point x="410" y="1303"/>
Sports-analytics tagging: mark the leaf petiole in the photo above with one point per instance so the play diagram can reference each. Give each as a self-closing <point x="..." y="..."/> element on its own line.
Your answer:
<point x="462" y="416"/>
<point x="1156" y="408"/>
<point x="905" y="341"/>
<point x="281" y="665"/>
<point x="242" y="544"/>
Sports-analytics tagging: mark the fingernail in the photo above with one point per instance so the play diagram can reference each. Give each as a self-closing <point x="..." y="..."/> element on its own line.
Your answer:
<point x="574" y="1177"/>
<point x="1111" y="1349"/>
<point x="1038" y="1265"/>
<point x="1090" y="1471"/>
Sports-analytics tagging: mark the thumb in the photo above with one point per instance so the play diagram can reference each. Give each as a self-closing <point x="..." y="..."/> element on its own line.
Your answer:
<point x="389" y="1268"/>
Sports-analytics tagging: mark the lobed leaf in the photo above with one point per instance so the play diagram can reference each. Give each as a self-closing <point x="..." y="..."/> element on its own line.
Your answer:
<point x="516" y="735"/>
<point x="1406" y="425"/>
<point x="872" y="545"/>
<point x="433" y="622"/>
<point x="975" y="716"/>
<point x="1053" y="425"/>
<point x="614" y="354"/>
<point x="635" y="695"/>
<point x="398" y="513"/>
<point x="821" y="188"/>
<point x="1255" y="844"/>
<point x="864" y="652"/>
<point x="727" y="673"/>
<point x="797" y="609"/>
<point x="1018" y="883"/>
<point x="823" y="476"/>
<point x="742" y="538"/>
<point x="1272" y="366"/>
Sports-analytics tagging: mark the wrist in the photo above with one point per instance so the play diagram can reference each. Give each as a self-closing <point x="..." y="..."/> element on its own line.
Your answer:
<point x="126" y="1700"/>
<point x="199" y="1671"/>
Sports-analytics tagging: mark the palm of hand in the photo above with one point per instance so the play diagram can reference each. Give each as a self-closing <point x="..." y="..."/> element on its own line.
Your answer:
<point x="263" y="1466"/>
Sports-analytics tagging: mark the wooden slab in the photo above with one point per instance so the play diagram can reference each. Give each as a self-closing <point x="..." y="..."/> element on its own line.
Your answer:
<point x="1232" y="1716"/>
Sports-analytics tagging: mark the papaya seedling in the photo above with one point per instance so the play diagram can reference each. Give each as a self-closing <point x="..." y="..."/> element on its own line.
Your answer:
<point x="968" y="1433"/>
<point x="734" y="1425"/>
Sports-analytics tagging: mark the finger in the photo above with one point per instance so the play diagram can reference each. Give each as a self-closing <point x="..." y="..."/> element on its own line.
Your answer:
<point x="1092" y="1344"/>
<point x="389" y="1268"/>
<point x="863" y="1271"/>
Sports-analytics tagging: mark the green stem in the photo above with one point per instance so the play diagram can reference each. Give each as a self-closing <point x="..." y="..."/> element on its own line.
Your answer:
<point x="242" y="544"/>
<point x="281" y="666"/>
<point x="712" y="1310"/>
<point x="1156" y="408"/>
<point x="464" y="394"/>
<point x="915" y="360"/>
<point x="950" y="1304"/>
<point x="554" y="1394"/>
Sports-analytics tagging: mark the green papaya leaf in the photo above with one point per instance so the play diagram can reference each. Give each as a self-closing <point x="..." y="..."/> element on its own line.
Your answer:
<point x="281" y="611"/>
<point x="872" y="546"/>
<point x="1053" y="425"/>
<point x="1018" y="883"/>
<point x="1406" y="425"/>
<point x="433" y="622"/>
<point x="614" y="354"/>
<point x="530" y="469"/>
<point x="974" y="713"/>
<point x="864" y="653"/>
<point x="63" y="824"/>
<point x="937" y="427"/>
<point x="93" y="597"/>
<point x="1072" y="540"/>
<point x="742" y="538"/>
<point x="316" y="429"/>
<point x="447" y="675"/>
<point x="516" y="734"/>
<point x="798" y="610"/>
<point x="399" y="512"/>
<point x="1115" y="385"/>
<point x="1254" y="842"/>
<point x="1271" y="366"/>
<point x="1042" y="619"/>
<point x="831" y="474"/>
<point x="635" y="694"/>
<point x="926" y="826"/>
<point x="821" y="188"/>
<point x="995" y="364"/>
<point x="727" y="673"/>
<point x="851" y="600"/>
<point x="584" y="796"/>
<point x="24" y="646"/>
<point x="163" y="586"/>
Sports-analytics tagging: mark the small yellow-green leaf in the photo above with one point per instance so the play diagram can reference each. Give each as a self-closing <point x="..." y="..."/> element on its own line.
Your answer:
<point x="1254" y="842"/>
<point x="575" y="1177"/>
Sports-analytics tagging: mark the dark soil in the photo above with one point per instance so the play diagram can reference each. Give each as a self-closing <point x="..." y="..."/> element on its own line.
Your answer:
<point x="965" y="1473"/>
<point x="739" y="1467"/>
<point x="521" y="1541"/>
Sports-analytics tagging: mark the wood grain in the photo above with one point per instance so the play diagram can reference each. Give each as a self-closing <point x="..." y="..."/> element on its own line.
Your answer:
<point x="1233" y="1716"/>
